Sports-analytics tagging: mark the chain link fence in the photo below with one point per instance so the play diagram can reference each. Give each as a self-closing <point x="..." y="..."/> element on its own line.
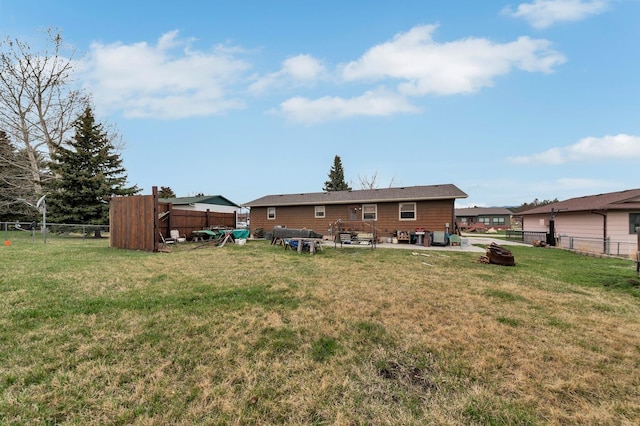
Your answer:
<point x="603" y="246"/>
<point x="600" y="246"/>
<point x="35" y="231"/>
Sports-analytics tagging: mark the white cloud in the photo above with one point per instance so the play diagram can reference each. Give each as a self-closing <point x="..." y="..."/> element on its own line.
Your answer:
<point x="618" y="147"/>
<point x="168" y="80"/>
<point x="303" y="68"/>
<point x="379" y="102"/>
<point x="544" y="13"/>
<point x="462" y="66"/>
<point x="297" y="70"/>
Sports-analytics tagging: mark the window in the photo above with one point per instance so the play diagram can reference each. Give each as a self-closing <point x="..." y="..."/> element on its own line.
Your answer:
<point x="485" y="220"/>
<point x="497" y="220"/>
<point x="369" y="212"/>
<point x="271" y="213"/>
<point x="407" y="211"/>
<point x="634" y="222"/>
<point x="319" y="211"/>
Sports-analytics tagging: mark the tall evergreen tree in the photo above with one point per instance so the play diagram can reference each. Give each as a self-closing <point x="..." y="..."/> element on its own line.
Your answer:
<point x="166" y="192"/>
<point x="336" y="180"/>
<point x="89" y="172"/>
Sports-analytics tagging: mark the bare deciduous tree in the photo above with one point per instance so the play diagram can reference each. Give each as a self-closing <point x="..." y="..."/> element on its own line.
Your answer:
<point x="371" y="182"/>
<point x="38" y="104"/>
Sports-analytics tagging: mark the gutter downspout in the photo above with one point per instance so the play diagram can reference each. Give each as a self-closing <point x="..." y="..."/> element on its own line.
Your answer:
<point x="604" y="229"/>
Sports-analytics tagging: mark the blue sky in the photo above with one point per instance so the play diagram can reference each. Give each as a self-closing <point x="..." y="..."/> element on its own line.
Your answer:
<point x="508" y="100"/>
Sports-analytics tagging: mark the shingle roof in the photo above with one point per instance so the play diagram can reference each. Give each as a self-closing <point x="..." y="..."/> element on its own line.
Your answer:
<point x="621" y="200"/>
<point x="480" y="211"/>
<point x="409" y="193"/>
<point x="218" y="200"/>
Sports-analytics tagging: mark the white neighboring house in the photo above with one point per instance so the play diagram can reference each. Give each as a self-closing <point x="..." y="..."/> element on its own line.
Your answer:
<point x="213" y="203"/>
<point x="604" y="223"/>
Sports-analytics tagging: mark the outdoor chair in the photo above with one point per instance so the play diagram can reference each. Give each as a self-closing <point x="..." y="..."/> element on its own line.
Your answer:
<point x="164" y="241"/>
<point x="176" y="237"/>
<point x="344" y="238"/>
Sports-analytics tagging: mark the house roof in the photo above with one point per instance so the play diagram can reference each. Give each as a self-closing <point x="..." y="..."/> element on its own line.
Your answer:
<point x="621" y="200"/>
<point x="408" y="193"/>
<point x="217" y="200"/>
<point x="483" y="211"/>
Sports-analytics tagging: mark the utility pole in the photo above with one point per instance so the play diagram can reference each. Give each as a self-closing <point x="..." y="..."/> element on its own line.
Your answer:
<point x="41" y="205"/>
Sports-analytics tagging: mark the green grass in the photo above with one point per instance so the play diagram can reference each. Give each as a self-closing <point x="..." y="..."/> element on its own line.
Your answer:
<point x="255" y="334"/>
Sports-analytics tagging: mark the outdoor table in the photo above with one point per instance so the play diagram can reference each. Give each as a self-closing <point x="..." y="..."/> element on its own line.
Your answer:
<point x="300" y="242"/>
<point x="205" y="233"/>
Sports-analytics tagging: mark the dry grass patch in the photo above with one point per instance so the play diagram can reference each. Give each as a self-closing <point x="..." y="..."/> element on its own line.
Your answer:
<point x="257" y="335"/>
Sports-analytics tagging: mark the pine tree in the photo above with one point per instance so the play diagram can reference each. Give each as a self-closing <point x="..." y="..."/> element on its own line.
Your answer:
<point x="89" y="172"/>
<point x="336" y="180"/>
<point x="166" y="192"/>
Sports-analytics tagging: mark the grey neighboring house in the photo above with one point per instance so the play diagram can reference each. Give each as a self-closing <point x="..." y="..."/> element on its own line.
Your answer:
<point x="213" y="203"/>
<point x="602" y="223"/>
<point x="483" y="217"/>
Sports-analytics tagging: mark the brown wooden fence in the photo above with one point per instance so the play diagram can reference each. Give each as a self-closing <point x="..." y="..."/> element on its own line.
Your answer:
<point x="187" y="221"/>
<point x="136" y="222"/>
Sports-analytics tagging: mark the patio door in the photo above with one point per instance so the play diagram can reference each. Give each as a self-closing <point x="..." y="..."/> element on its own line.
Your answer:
<point x="353" y="212"/>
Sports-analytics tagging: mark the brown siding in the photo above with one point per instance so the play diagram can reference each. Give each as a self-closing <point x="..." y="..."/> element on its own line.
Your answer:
<point x="431" y="215"/>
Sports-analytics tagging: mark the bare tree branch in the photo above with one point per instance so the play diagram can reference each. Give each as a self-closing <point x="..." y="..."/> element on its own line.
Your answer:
<point x="38" y="105"/>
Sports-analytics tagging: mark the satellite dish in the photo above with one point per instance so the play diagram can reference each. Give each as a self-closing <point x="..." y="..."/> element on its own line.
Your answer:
<point x="40" y="202"/>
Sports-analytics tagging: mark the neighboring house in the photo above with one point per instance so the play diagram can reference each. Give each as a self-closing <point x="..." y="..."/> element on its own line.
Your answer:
<point x="484" y="217"/>
<point x="212" y="203"/>
<point x="610" y="220"/>
<point x="390" y="210"/>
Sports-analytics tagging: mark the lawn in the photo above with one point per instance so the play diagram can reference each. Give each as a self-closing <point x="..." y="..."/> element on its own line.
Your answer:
<point x="255" y="334"/>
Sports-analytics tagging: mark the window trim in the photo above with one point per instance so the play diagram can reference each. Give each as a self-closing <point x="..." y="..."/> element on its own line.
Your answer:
<point x="269" y="210"/>
<point x="375" y="211"/>
<point x="318" y="209"/>
<point x="637" y="220"/>
<point x="413" y="211"/>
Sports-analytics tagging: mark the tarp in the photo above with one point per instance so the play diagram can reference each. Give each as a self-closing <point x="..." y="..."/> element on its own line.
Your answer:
<point x="240" y="234"/>
<point x="279" y="232"/>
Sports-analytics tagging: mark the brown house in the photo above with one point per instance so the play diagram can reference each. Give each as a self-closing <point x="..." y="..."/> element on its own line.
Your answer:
<point x="386" y="212"/>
